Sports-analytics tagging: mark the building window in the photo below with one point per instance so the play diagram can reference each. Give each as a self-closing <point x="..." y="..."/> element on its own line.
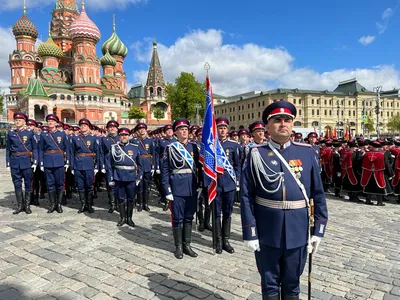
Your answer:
<point x="314" y="124"/>
<point x="248" y="116"/>
<point x="342" y="113"/>
<point x="297" y="123"/>
<point x="242" y="117"/>
<point x="159" y="92"/>
<point x="233" y="109"/>
<point x="252" y="105"/>
<point x="318" y="101"/>
<point x="325" y="102"/>
<point x="388" y="114"/>
<point x="108" y="100"/>
<point x="248" y="106"/>
<point x="90" y="98"/>
<point x="259" y="104"/>
<point x="233" y="118"/>
<point x="330" y="113"/>
<point x="299" y="112"/>
<point x="239" y="117"/>
<point x="354" y="103"/>
<point x="230" y="109"/>
<point x="312" y="101"/>
<point x="69" y="97"/>
<point x="239" y="108"/>
<point x="252" y="115"/>
<point x="312" y="112"/>
<point x="259" y="114"/>
<point x="317" y="112"/>
<point x="325" y="112"/>
<point x="300" y="101"/>
<point x="354" y="113"/>
<point x="294" y="101"/>
<point x="95" y="98"/>
<point x="62" y="97"/>
<point x="349" y="113"/>
<point x="263" y="103"/>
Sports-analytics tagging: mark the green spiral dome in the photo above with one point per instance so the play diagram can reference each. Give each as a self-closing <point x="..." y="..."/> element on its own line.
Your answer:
<point x="49" y="48"/>
<point x="108" y="60"/>
<point x="115" y="46"/>
<point x="24" y="26"/>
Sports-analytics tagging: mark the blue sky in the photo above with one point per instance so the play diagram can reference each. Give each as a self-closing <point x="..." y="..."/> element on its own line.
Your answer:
<point x="251" y="45"/>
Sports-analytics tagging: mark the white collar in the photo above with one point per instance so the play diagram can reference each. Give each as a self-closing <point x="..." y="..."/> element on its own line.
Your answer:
<point x="279" y="146"/>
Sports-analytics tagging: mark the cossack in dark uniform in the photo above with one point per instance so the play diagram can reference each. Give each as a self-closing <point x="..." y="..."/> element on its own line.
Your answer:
<point x="147" y="154"/>
<point x="227" y="185"/>
<point x="21" y="158"/>
<point x="277" y="181"/>
<point x="85" y="152"/>
<point x="126" y="173"/>
<point x="106" y="143"/>
<point x="179" y="177"/>
<point x="54" y="156"/>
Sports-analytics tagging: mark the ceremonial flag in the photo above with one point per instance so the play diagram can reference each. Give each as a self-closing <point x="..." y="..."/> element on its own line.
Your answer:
<point x="209" y="142"/>
<point x="334" y="133"/>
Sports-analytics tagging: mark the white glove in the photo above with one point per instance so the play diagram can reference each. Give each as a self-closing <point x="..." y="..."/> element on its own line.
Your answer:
<point x="169" y="197"/>
<point x="42" y="169"/>
<point x="315" y="241"/>
<point x="103" y="171"/>
<point x="152" y="172"/>
<point x="158" y="171"/>
<point x="8" y="169"/>
<point x="253" y="245"/>
<point x="72" y="172"/>
<point x="111" y="183"/>
<point x="338" y="174"/>
<point x="66" y="168"/>
<point x="95" y="172"/>
<point x="137" y="182"/>
<point x="34" y="168"/>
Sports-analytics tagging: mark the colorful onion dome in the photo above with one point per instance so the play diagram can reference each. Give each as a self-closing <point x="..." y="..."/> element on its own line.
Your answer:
<point x="83" y="27"/>
<point x="108" y="60"/>
<point x="114" y="45"/>
<point x="24" y="26"/>
<point x="49" y="48"/>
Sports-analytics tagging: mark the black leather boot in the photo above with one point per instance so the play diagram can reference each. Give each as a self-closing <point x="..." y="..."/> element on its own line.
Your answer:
<point x="275" y="297"/>
<point x="139" y="200"/>
<point x="35" y="199"/>
<point x="177" y="232"/>
<point x="200" y="216"/>
<point x="218" y="248"/>
<point x="64" y="199"/>
<point x="20" y="203"/>
<point x="187" y="239"/>
<point x="398" y="199"/>
<point x="60" y="197"/>
<point x="368" y="199"/>
<point x="90" y="202"/>
<point x="146" y="196"/>
<point x="226" y="233"/>
<point x="82" y="201"/>
<point x="94" y="193"/>
<point x="28" y="210"/>
<point x="380" y="200"/>
<point x="207" y="217"/>
<point x="130" y="214"/>
<point x="111" y="198"/>
<point x="52" y="202"/>
<point x="122" y="215"/>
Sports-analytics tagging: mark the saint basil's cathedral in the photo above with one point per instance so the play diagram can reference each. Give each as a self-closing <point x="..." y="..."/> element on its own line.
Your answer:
<point x="63" y="75"/>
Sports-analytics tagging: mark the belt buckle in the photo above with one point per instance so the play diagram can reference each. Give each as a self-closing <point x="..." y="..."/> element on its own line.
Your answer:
<point x="286" y="205"/>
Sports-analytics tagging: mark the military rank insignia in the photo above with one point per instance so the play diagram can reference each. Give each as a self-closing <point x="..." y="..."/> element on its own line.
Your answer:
<point x="24" y="138"/>
<point x="59" y="139"/>
<point x="147" y="147"/>
<point x="296" y="167"/>
<point x="130" y="152"/>
<point x="227" y="152"/>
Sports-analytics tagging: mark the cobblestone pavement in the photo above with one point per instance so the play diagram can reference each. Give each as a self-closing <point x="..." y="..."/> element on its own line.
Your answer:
<point x="71" y="256"/>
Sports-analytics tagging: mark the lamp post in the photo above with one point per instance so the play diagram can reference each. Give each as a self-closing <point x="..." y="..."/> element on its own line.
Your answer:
<point x="338" y="122"/>
<point x="378" y="90"/>
<point x="363" y="114"/>
<point x="197" y="105"/>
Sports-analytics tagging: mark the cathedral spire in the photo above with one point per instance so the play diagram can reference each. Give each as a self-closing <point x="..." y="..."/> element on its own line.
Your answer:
<point x="155" y="76"/>
<point x="24" y="7"/>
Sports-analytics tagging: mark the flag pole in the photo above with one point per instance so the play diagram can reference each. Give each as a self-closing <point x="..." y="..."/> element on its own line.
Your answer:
<point x="207" y="67"/>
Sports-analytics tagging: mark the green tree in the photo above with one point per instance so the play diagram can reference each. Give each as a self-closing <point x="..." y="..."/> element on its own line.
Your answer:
<point x="1" y="103"/>
<point x="136" y="113"/>
<point x="184" y="94"/>
<point x="158" y="113"/>
<point x="394" y="123"/>
<point x="369" y="125"/>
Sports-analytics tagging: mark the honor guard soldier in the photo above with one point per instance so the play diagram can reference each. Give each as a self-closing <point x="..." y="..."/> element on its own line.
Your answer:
<point x="69" y="178"/>
<point x="162" y="146"/>
<point x="278" y="178"/>
<point x="21" y="160"/>
<point x="32" y="125"/>
<point x="147" y="153"/>
<point x="336" y="167"/>
<point x="54" y="157"/>
<point x="179" y="178"/>
<point x="234" y="136"/>
<point x="85" y="153"/>
<point x="106" y="143"/>
<point x="125" y="174"/>
<point x="227" y="185"/>
<point x="312" y="140"/>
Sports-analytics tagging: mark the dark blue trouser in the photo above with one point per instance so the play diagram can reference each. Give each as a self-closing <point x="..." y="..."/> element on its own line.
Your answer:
<point x="280" y="269"/>
<point x="17" y="175"/>
<point x="182" y="210"/>
<point x="55" y="178"/>
<point x="145" y="182"/>
<point x="224" y="201"/>
<point x="84" y="180"/>
<point x="125" y="191"/>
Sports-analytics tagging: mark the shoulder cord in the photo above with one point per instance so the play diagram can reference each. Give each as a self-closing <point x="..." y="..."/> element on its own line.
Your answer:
<point x="175" y="158"/>
<point x="257" y="166"/>
<point x="117" y="155"/>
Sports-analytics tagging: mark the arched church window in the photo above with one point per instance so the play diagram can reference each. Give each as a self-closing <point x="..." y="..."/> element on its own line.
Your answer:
<point x="69" y="97"/>
<point x="90" y="98"/>
<point x="62" y="97"/>
<point x="159" y="91"/>
<point x="151" y="90"/>
<point x="108" y="100"/>
<point x="95" y="98"/>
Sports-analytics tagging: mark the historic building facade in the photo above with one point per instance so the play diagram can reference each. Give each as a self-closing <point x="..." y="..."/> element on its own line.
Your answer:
<point x="321" y="110"/>
<point x="65" y="76"/>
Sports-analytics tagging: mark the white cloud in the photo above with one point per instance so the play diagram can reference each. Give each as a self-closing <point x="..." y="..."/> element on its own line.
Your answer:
<point x="366" y="40"/>
<point x="383" y="24"/>
<point x="9" y="44"/>
<point x="95" y="4"/>
<point x="237" y="69"/>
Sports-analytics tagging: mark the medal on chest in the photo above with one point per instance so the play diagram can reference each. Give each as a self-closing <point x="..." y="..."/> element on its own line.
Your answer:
<point x="24" y="138"/>
<point x="88" y="143"/>
<point x="59" y="139"/>
<point x="130" y="152"/>
<point x="296" y="167"/>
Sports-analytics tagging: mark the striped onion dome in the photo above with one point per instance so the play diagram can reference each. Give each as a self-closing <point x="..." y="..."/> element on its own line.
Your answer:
<point x="24" y="26"/>
<point x="83" y="27"/>
<point x="114" y="45"/>
<point x="49" y="48"/>
<point x="108" y="60"/>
